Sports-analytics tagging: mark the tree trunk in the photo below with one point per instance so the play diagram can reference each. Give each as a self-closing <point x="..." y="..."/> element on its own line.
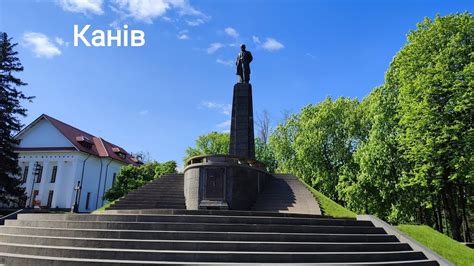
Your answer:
<point x="450" y="205"/>
<point x="465" y="221"/>
<point x="439" y="215"/>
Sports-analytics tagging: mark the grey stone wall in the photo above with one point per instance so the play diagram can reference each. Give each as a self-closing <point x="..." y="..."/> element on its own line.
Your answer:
<point x="191" y="188"/>
<point x="242" y="184"/>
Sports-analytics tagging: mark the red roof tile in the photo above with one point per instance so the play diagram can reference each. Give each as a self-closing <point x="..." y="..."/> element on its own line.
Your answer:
<point x="90" y="144"/>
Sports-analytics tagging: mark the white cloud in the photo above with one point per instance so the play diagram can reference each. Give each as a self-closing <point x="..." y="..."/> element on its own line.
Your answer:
<point x="224" y="125"/>
<point x="195" y="22"/>
<point x="225" y="62"/>
<point x="310" y="55"/>
<point x="221" y="107"/>
<point x="147" y="10"/>
<point x="82" y="6"/>
<point x="61" y="42"/>
<point x="231" y="32"/>
<point x="272" y="45"/>
<point x="40" y="45"/>
<point x="214" y="47"/>
<point x="143" y="112"/>
<point x="183" y="36"/>
<point x="256" y="40"/>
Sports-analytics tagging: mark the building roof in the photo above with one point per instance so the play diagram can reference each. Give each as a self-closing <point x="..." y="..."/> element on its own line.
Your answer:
<point x="85" y="142"/>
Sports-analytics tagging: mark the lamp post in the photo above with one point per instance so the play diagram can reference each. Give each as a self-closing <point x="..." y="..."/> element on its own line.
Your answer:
<point x="75" y="206"/>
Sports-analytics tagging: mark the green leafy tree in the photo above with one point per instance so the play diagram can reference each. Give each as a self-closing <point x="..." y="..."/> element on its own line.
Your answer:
<point x="433" y="75"/>
<point x="265" y="154"/>
<point x="405" y="153"/>
<point x="10" y="108"/>
<point x="375" y="190"/>
<point x="281" y="143"/>
<point x="318" y="143"/>
<point x="218" y="143"/>
<point x="132" y="177"/>
<point x="168" y="167"/>
<point x="211" y="143"/>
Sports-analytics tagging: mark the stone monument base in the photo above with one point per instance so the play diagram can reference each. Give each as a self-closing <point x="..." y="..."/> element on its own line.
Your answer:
<point x="223" y="182"/>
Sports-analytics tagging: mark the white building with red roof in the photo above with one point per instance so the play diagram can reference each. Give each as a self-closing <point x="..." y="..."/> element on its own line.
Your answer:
<point x="54" y="157"/>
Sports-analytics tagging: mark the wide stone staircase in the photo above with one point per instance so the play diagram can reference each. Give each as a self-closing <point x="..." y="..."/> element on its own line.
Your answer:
<point x="126" y="237"/>
<point x="286" y="193"/>
<point x="151" y="226"/>
<point x="166" y="192"/>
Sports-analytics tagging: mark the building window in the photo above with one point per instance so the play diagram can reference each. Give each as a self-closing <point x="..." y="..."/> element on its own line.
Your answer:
<point x="113" y="178"/>
<point x="50" y="198"/>
<point x="88" y="198"/>
<point x="25" y="173"/>
<point x="53" y="174"/>
<point x="38" y="172"/>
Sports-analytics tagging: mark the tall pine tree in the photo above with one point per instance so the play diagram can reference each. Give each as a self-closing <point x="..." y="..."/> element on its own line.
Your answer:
<point x="10" y="108"/>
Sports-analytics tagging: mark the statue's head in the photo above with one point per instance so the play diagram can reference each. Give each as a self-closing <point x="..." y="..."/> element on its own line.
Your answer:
<point x="242" y="47"/>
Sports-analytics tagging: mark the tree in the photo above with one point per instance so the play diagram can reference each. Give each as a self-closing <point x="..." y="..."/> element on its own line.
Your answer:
<point x="143" y="156"/>
<point x="168" y="167"/>
<point x="325" y="139"/>
<point x="218" y="143"/>
<point x="375" y="189"/>
<point x="433" y="75"/>
<point x="265" y="154"/>
<point x="211" y="143"/>
<point x="131" y="177"/>
<point x="263" y="126"/>
<point x="10" y="108"/>
<point x="405" y="153"/>
<point x="282" y="143"/>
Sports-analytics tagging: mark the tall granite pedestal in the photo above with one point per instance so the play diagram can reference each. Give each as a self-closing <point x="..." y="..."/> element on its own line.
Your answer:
<point x="242" y="142"/>
<point x="233" y="181"/>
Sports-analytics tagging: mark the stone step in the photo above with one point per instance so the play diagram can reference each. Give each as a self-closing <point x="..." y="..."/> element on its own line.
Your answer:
<point x="132" y="207"/>
<point x="194" y="219"/>
<point x="165" y="182"/>
<point x="32" y="260"/>
<point x="162" y="185"/>
<point x="198" y="235"/>
<point x="145" y="200"/>
<point x="153" y="198"/>
<point x="151" y="192"/>
<point x="222" y="227"/>
<point x="206" y="256"/>
<point x="150" y="203"/>
<point x="138" y="205"/>
<point x="223" y="213"/>
<point x="155" y="194"/>
<point x="202" y="245"/>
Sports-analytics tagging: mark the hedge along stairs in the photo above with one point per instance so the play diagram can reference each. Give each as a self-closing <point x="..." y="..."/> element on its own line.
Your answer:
<point x="139" y="236"/>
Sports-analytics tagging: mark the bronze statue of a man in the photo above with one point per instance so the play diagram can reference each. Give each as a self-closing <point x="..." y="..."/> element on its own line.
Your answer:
<point x="243" y="64"/>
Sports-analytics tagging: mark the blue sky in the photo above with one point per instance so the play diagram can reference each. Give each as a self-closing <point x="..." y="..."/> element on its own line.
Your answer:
<point x="159" y="97"/>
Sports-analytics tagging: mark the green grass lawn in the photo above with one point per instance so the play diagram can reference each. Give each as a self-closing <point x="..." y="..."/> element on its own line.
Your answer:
<point x="328" y="206"/>
<point x="427" y="236"/>
<point x="101" y="209"/>
<point x="439" y="243"/>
